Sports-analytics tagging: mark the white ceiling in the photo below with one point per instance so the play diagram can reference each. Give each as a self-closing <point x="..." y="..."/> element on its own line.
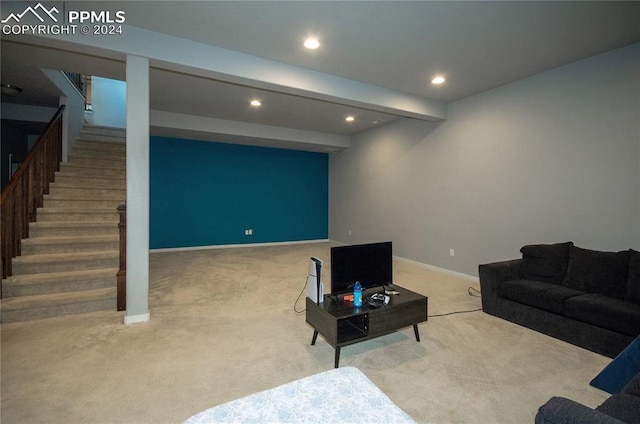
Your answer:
<point x="400" y="44"/>
<point x="397" y="45"/>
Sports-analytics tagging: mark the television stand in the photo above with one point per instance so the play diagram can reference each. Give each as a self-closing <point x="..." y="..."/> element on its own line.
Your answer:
<point x="342" y="324"/>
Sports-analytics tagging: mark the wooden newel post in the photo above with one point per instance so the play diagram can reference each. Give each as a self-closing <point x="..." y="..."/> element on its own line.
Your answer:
<point x="122" y="272"/>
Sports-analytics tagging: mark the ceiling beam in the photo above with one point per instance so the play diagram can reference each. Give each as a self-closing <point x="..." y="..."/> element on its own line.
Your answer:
<point x="170" y="124"/>
<point x="177" y="54"/>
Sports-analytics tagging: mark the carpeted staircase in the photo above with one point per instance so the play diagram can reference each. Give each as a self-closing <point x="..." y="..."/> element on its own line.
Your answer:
<point x="69" y="262"/>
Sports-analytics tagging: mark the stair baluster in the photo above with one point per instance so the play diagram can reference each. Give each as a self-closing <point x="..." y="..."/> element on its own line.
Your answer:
<point x="26" y="189"/>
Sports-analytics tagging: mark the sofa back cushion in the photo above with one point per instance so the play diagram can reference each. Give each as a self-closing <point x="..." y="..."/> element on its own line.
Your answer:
<point x="598" y="272"/>
<point x="623" y="407"/>
<point x="633" y="278"/>
<point x="545" y="262"/>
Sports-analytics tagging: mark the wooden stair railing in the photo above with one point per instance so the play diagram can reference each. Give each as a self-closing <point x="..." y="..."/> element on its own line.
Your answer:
<point x="121" y="275"/>
<point x="25" y="191"/>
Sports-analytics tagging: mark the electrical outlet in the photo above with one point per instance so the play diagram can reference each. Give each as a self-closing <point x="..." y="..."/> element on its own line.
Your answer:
<point x="349" y="232"/>
<point x="452" y="252"/>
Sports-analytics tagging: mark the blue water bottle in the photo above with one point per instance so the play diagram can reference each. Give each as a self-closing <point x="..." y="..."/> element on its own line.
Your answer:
<point x="357" y="295"/>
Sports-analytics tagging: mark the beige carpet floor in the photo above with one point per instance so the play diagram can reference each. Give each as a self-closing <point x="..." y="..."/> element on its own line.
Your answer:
<point x="223" y="326"/>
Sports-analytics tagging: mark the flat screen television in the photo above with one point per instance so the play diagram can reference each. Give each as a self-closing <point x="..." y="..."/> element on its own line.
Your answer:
<point x="370" y="264"/>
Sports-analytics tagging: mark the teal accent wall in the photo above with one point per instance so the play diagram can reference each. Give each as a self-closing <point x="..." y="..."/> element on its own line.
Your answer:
<point x="204" y="193"/>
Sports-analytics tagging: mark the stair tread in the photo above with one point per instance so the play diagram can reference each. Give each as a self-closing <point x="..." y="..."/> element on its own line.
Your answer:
<point x="109" y="152"/>
<point x="77" y="223"/>
<point x="73" y="185"/>
<point x="68" y="165"/>
<point x="93" y="172"/>
<point x="91" y="149"/>
<point x="99" y="198"/>
<point x="82" y="173"/>
<point x="47" y="277"/>
<point x="118" y="132"/>
<point x="70" y="239"/>
<point x="98" y="159"/>
<point x="119" y="184"/>
<point x="89" y="146"/>
<point x="73" y="224"/>
<point x="116" y="144"/>
<point x="82" y="183"/>
<point x="54" y="209"/>
<point x="105" y="143"/>
<point x="88" y="178"/>
<point x="68" y="186"/>
<point x="91" y="166"/>
<point x="78" y="195"/>
<point x="108" y="132"/>
<point x="114" y="140"/>
<point x="54" y="299"/>
<point x="65" y="257"/>
<point x="98" y="126"/>
<point x="98" y="202"/>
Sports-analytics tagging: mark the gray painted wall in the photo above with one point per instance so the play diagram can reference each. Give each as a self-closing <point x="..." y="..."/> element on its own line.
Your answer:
<point x="74" y="111"/>
<point x="108" y="100"/>
<point x="550" y="158"/>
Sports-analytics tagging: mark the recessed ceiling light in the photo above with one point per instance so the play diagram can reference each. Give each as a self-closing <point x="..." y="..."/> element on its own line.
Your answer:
<point x="438" y="80"/>
<point x="256" y="103"/>
<point x="350" y="118"/>
<point x="312" y="43"/>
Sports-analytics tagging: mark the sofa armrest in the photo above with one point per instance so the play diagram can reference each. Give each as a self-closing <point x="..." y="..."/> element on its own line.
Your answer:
<point x="565" y="411"/>
<point x="492" y="275"/>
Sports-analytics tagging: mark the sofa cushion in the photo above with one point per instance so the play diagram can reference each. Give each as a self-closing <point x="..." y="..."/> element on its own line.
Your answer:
<point x="593" y="271"/>
<point x="633" y="387"/>
<point x="622" y="406"/>
<point x="560" y="410"/>
<point x="545" y="262"/>
<point x="633" y="277"/>
<point x="547" y="296"/>
<point x="606" y="312"/>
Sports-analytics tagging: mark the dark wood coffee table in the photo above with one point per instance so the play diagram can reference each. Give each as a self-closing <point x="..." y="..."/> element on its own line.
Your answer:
<point x="342" y="324"/>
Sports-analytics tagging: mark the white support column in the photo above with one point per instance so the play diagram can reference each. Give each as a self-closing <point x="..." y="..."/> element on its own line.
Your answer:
<point x="137" y="190"/>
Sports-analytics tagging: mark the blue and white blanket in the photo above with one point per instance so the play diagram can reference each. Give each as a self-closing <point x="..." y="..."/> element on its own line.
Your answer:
<point x="342" y="395"/>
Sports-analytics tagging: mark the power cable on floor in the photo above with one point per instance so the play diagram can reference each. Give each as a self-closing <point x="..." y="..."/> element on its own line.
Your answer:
<point x="474" y="292"/>
<point x="298" y="299"/>
<point x="453" y="313"/>
<point x="471" y="291"/>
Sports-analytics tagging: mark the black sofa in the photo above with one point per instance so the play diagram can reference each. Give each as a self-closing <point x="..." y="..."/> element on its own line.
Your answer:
<point x="585" y="297"/>
<point x="622" y="407"/>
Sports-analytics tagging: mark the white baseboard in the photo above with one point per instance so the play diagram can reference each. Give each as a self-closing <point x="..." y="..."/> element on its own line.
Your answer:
<point x="432" y="267"/>
<point x="229" y="246"/>
<point x="133" y="319"/>
<point x="284" y="243"/>
<point x="443" y="270"/>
